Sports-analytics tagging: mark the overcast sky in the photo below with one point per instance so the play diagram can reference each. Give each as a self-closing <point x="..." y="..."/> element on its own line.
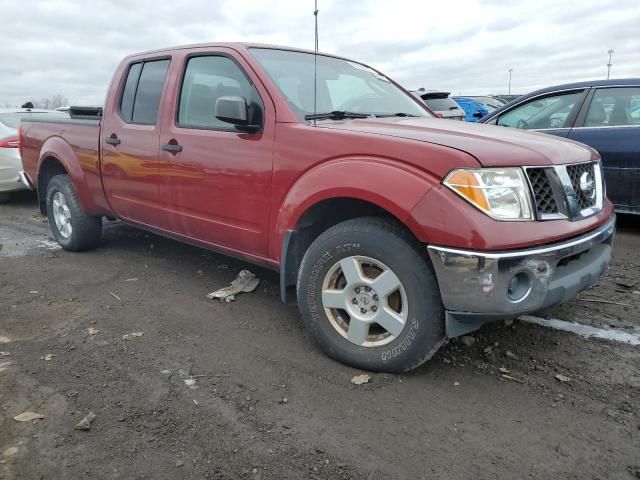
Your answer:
<point x="71" y="47"/>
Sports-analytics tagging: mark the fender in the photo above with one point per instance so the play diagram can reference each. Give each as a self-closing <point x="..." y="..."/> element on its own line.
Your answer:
<point x="394" y="186"/>
<point x="58" y="148"/>
<point x="389" y="184"/>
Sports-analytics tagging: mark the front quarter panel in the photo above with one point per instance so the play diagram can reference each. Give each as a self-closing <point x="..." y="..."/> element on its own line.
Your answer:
<point x="394" y="187"/>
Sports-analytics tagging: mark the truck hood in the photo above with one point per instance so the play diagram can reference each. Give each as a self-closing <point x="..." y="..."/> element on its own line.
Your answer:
<point x="491" y="146"/>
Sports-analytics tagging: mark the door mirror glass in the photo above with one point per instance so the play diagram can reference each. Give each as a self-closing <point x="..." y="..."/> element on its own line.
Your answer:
<point x="231" y="109"/>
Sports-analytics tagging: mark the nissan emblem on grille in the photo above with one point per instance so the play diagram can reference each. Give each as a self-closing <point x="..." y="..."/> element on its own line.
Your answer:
<point x="588" y="185"/>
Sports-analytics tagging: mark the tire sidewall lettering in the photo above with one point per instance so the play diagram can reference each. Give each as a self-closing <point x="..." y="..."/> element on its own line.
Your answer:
<point x="340" y="251"/>
<point x="406" y="342"/>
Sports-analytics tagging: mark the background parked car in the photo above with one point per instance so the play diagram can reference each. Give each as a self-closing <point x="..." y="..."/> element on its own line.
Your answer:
<point x="473" y="109"/>
<point x="603" y="114"/>
<point x="505" y="98"/>
<point x="489" y="103"/>
<point x="10" y="164"/>
<point x="441" y="104"/>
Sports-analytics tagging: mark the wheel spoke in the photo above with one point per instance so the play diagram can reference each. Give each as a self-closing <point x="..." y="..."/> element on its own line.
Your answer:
<point x="56" y="204"/>
<point x="358" y="331"/>
<point x="390" y="321"/>
<point x="386" y="283"/>
<point x="334" y="299"/>
<point x="351" y="270"/>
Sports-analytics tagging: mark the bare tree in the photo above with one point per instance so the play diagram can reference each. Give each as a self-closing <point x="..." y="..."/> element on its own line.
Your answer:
<point x="59" y="101"/>
<point x="52" y="103"/>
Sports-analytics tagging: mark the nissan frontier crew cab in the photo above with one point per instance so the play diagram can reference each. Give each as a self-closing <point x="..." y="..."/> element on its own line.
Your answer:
<point x="391" y="229"/>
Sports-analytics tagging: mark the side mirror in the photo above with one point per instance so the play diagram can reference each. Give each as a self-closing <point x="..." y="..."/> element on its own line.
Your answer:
<point x="234" y="110"/>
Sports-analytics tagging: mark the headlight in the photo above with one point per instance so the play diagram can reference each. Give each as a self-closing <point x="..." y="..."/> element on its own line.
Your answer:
<point x="501" y="193"/>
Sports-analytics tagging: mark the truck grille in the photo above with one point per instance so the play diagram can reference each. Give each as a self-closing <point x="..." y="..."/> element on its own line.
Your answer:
<point x="566" y="191"/>
<point x="576" y="173"/>
<point x="542" y="191"/>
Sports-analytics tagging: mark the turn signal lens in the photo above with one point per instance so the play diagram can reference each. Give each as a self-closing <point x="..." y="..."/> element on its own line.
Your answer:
<point x="465" y="183"/>
<point x="501" y="193"/>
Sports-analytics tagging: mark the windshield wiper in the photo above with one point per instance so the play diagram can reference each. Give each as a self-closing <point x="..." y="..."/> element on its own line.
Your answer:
<point x="335" y="115"/>
<point x="399" y="114"/>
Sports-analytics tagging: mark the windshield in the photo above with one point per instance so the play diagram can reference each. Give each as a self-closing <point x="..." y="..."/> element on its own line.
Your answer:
<point x="342" y="85"/>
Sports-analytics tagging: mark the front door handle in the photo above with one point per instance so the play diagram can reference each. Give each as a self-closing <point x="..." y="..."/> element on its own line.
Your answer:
<point x="172" y="147"/>
<point x="112" y="140"/>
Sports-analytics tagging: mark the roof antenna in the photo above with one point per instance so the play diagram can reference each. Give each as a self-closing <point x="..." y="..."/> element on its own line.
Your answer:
<point x="315" y="68"/>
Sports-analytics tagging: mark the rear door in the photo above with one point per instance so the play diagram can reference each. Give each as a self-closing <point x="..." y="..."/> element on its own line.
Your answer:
<point x="552" y="113"/>
<point x="610" y="123"/>
<point x="130" y="142"/>
<point x="216" y="180"/>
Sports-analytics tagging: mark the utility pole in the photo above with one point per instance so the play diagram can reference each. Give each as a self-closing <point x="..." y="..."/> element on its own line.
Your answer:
<point x="609" y="64"/>
<point x="510" y="72"/>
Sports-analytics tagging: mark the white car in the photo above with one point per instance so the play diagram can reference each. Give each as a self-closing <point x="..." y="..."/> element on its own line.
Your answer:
<point x="10" y="164"/>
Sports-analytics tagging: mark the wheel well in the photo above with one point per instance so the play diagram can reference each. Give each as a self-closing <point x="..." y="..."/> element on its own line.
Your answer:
<point x="50" y="168"/>
<point x="312" y="223"/>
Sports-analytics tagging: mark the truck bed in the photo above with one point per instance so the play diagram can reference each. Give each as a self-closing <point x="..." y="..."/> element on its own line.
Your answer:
<point x="79" y="139"/>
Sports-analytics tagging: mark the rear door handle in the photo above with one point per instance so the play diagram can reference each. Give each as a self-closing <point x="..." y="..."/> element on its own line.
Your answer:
<point x="112" y="140"/>
<point x="171" y="147"/>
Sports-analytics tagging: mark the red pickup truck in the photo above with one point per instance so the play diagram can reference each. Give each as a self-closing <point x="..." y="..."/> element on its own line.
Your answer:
<point x="391" y="229"/>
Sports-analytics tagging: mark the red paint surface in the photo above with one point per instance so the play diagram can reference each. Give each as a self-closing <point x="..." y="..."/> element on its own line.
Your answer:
<point x="240" y="192"/>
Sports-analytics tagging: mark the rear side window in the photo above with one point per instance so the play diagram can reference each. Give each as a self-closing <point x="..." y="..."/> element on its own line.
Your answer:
<point x="614" y="107"/>
<point x="129" y="92"/>
<point x="441" y="104"/>
<point x="142" y="92"/>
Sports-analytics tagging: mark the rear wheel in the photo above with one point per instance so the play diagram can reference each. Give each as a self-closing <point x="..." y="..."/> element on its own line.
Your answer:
<point x="72" y="228"/>
<point x="369" y="297"/>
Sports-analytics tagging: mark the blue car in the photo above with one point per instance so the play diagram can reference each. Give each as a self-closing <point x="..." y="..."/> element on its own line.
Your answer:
<point x="603" y="114"/>
<point x="473" y="109"/>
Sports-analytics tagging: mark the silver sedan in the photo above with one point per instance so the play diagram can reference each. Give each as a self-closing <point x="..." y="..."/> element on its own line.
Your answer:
<point x="10" y="164"/>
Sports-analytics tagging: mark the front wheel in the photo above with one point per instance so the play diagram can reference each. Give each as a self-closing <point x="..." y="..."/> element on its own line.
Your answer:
<point x="72" y="228"/>
<point x="369" y="297"/>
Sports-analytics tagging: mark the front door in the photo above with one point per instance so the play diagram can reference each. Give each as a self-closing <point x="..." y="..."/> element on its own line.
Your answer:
<point x="130" y="140"/>
<point x="611" y="125"/>
<point x="216" y="180"/>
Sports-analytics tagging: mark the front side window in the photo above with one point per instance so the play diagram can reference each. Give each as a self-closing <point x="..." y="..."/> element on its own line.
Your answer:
<point x="614" y="107"/>
<point x="142" y="92"/>
<point x="342" y="85"/>
<point x="206" y="79"/>
<point x="549" y="112"/>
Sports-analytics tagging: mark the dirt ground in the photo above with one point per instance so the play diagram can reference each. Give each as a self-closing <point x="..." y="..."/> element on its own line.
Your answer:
<point x="234" y="390"/>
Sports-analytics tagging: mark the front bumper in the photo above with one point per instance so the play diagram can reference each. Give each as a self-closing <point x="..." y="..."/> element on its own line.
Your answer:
<point x="481" y="286"/>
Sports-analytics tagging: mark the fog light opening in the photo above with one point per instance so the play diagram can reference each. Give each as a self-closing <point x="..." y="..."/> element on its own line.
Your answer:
<point x="518" y="287"/>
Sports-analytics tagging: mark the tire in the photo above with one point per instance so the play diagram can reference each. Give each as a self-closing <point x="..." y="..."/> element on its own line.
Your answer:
<point x="348" y="266"/>
<point x="4" y="197"/>
<point x="74" y="230"/>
